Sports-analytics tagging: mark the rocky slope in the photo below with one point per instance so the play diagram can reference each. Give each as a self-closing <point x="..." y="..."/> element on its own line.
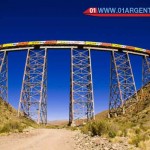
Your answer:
<point x="86" y="142"/>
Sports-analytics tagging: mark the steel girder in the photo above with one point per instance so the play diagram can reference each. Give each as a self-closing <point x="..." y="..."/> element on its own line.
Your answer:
<point x="4" y="75"/>
<point x="33" y="98"/>
<point x="122" y="85"/>
<point x="146" y="70"/>
<point x="81" y="93"/>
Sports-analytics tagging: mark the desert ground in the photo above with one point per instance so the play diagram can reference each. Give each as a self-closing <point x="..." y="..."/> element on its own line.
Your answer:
<point x="46" y="139"/>
<point x="58" y="139"/>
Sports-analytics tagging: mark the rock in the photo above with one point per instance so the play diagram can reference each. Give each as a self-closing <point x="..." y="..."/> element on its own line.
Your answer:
<point x="86" y="142"/>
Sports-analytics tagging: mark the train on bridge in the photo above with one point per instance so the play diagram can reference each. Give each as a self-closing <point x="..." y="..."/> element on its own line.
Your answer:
<point x="73" y="43"/>
<point x="33" y="97"/>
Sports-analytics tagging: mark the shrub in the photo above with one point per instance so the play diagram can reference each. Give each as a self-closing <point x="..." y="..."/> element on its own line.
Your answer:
<point x="11" y="127"/>
<point x="112" y="134"/>
<point x="85" y="129"/>
<point x="100" y="128"/>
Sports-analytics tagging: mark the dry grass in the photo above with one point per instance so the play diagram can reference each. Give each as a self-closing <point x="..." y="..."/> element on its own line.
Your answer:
<point x="10" y="122"/>
<point x="134" y="124"/>
<point x="101" y="128"/>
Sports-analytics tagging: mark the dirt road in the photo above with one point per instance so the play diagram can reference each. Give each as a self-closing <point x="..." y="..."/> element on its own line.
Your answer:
<point x="59" y="139"/>
<point x="40" y="139"/>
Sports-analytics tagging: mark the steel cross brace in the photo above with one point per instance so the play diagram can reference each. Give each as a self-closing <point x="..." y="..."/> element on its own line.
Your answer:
<point x="122" y="85"/>
<point x="146" y="70"/>
<point x="4" y="75"/>
<point x="33" y="98"/>
<point x="81" y="93"/>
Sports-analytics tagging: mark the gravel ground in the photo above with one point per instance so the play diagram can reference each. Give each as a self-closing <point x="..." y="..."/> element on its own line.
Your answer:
<point x="58" y="139"/>
<point x="85" y="142"/>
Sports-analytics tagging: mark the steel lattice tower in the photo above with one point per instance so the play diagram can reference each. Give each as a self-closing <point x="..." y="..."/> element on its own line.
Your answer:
<point x="33" y="99"/>
<point x="122" y="85"/>
<point x="81" y="93"/>
<point x="4" y="75"/>
<point x="146" y="70"/>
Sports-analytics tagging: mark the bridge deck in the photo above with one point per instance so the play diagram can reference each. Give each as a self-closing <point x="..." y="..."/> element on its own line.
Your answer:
<point x="73" y="44"/>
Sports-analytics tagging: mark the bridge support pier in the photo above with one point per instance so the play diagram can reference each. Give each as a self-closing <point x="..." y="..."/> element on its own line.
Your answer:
<point x="122" y="85"/>
<point x="146" y="70"/>
<point x="4" y="75"/>
<point x="33" y="98"/>
<point x="81" y="89"/>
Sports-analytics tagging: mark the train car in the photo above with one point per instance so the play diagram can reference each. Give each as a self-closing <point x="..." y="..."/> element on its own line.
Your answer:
<point x="22" y="44"/>
<point x="75" y="42"/>
<point x="7" y="45"/>
<point x="106" y="44"/>
<point x="130" y="48"/>
<point x="42" y="42"/>
<point x="118" y="46"/>
<point x="14" y="44"/>
<point x="34" y="43"/>
<point x="62" y="42"/>
<point x="52" y="42"/>
<point x="144" y="50"/>
<point x="70" y="42"/>
<point x="93" y="43"/>
<point x="81" y="42"/>
<point x="148" y="52"/>
<point x="138" y="49"/>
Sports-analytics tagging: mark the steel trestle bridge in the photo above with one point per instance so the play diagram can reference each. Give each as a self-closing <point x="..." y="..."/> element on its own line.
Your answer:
<point x="33" y="97"/>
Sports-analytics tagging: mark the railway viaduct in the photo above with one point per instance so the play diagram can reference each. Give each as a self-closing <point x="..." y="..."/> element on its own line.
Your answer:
<point x="33" y="97"/>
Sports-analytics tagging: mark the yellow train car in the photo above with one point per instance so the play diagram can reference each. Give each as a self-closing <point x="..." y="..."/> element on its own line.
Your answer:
<point x="7" y="45"/>
<point x="34" y="43"/>
<point x="138" y="49"/>
<point x="118" y="46"/>
<point x="92" y="43"/>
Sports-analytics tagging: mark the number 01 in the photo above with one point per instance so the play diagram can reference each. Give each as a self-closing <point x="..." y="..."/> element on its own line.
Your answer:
<point x="92" y="10"/>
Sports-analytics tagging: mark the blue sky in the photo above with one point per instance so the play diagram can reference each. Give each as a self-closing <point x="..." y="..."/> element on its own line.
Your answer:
<point x="64" y="20"/>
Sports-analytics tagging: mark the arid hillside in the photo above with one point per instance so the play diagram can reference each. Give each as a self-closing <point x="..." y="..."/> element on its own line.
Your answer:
<point x="10" y="122"/>
<point x="138" y="112"/>
<point x="134" y="124"/>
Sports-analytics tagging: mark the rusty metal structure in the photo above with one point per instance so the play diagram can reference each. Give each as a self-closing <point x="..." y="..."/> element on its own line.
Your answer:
<point x="122" y="83"/>
<point x="33" y="97"/>
<point x="81" y="93"/>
